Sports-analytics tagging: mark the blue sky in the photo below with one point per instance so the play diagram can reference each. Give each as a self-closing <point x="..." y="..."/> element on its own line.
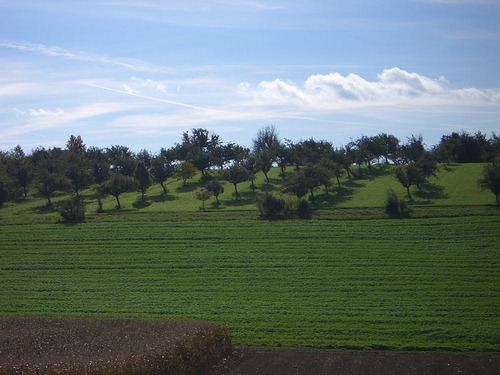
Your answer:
<point x="139" y="73"/>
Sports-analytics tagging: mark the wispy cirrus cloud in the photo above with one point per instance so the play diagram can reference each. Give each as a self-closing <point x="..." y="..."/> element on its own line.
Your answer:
<point x="10" y="90"/>
<point x="55" y="51"/>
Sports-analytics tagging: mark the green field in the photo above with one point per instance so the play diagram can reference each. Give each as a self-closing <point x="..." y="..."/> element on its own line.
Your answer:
<point x="429" y="283"/>
<point x="426" y="283"/>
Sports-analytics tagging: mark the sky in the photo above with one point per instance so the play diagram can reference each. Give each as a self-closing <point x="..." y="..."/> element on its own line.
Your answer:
<point x="140" y="73"/>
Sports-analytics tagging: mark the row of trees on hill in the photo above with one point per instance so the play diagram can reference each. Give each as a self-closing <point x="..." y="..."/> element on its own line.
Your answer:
<point x="117" y="169"/>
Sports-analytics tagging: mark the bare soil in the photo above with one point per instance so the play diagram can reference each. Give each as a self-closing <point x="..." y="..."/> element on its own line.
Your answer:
<point x="109" y="346"/>
<point x="308" y="362"/>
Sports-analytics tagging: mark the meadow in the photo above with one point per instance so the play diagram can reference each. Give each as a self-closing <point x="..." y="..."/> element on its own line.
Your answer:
<point x="350" y="280"/>
<point x="454" y="188"/>
<point x="406" y="284"/>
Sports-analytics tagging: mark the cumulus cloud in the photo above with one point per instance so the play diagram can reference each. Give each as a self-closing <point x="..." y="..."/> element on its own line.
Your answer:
<point x="392" y="86"/>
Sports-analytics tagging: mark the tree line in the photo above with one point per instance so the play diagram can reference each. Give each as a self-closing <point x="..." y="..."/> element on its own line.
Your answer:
<point x="117" y="169"/>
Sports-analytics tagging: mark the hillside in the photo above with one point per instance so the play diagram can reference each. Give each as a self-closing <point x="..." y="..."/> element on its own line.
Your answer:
<point x="453" y="185"/>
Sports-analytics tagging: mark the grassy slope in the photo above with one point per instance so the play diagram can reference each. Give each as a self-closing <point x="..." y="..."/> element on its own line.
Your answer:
<point x="454" y="185"/>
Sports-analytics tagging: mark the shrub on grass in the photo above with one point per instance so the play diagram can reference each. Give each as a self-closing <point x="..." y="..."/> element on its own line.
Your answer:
<point x="271" y="207"/>
<point x="395" y="206"/>
<point x="72" y="210"/>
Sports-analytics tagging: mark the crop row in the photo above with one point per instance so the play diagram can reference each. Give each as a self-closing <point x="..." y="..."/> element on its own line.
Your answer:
<point x="427" y="283"/>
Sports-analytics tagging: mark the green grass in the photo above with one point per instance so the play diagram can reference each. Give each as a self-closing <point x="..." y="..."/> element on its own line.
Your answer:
<point x="337" y="281"/>
<point x="399" y="284"/>
<point x="454" y="186"/>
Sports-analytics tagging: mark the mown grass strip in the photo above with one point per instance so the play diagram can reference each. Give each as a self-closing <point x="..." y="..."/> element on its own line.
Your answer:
<point x="422" y="283"/>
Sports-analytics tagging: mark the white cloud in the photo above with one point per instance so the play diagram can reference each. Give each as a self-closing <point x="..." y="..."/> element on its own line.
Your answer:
<point x="38" y="121"/>
<point x="392" y="87"/>
<point x="41" y="112"/>
<point x="400" y="83"/>
<point x="55" y="51"/>
<point x="150" y="83"/>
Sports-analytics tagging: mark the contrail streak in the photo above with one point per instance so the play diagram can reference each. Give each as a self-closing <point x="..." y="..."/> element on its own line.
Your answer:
<point x="205" y="109"/>
<point x="153" y="98"/>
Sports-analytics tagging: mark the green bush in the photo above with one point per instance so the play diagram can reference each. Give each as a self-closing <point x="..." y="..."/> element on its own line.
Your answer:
<point x="395" y="206"/>
<point x="72" y="210"/>
<point x="392" y="202"/>
<point x="271" y="207"/>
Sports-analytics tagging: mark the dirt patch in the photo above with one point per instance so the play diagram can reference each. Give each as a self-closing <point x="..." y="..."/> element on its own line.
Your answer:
<point x="284" y="362"/>
<point x="109" y="346"/>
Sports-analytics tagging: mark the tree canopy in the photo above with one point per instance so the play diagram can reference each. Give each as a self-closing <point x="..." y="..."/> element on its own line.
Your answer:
<point x="312" y="163"/>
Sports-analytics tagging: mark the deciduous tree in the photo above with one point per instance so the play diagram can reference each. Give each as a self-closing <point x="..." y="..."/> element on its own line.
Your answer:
<point x="265" y="149"/>
<point x="203" y="195"/>
<point x="77" y="170"/>
<point x="117" y="185"/>
<point x="122" y="160"/>
<point x="185" y="171"/>
<point x="297" y="184"/>
<point x="216" y="188"/>
<point x="143" y="178"/>
<point x="162" y="168"/>
<point x="197" y="147"/>
<point x="99" y="164"/>
<point x="409" y="175"/>
<point x="49" y="172"/>
<point x="412" y="150"/>
<point x="491" y="179"/>
<point x="235" y="175"/>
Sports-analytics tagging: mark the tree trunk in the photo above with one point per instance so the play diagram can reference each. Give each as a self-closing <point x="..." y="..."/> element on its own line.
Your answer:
<point x="236" y="190"/>
<point x="164" y="188"/>
<point x="312" y="194"/>
<point x="408" y="191"/>
<point x="347" y="169"/>
<point x="338" y="181"/>
<point x="267" y="178"/>
<point x="118" y="205"/>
